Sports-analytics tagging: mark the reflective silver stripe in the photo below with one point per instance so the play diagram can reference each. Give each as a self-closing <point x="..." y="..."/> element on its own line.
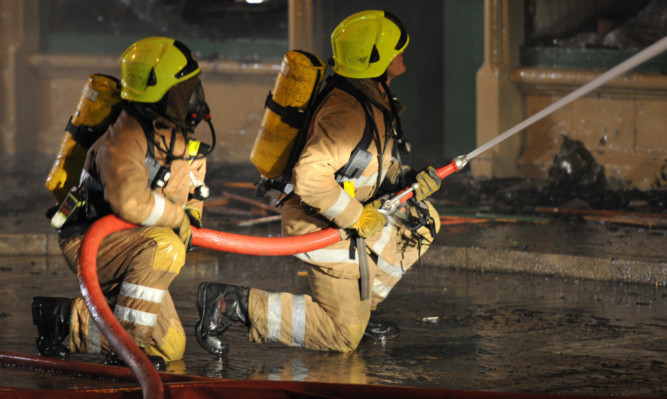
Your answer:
<point x="339" y="206"/>
<point x="298" y="320"/>
<point x="379" y="245"/>
<point x="365" y="181"/>
<point x="273" y="328"/>
<point x="381" y="288"/>
<point x="299" y="370"/>
<point x="135" y="316"/>
<point x="327" y="256"/>
<point x="395" y="271"/>
<point x="142" y="292"/>
<point x="94" y="344"/>
<point x="158" y="210"/>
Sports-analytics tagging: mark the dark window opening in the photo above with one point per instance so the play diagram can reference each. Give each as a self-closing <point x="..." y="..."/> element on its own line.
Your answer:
<point x="594" y="34"/>
<point x="230" y="29"/>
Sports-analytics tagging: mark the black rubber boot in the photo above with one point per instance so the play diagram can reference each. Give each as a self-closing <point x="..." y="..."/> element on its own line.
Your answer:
<point x="219" y="306"/>
<point x="113" y="360"/>
<point x="381" y="330"/>
<point x="52" y="318"/>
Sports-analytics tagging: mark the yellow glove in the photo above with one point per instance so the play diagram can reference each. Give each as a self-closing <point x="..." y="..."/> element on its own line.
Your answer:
<point x="194" y="215"/>
<point x="429" y="182"/>
<point x="184" y="232"/>
<point x="370" y="221"/>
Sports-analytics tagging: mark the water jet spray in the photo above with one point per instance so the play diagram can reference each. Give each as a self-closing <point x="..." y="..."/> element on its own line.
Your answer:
<point x="461" y="161"/>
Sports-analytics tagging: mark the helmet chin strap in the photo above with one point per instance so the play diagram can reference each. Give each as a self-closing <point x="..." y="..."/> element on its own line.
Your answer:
<point x="404" y="147"/>
<point x="382" y="79"/>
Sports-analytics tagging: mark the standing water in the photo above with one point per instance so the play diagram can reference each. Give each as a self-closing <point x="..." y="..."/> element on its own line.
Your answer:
<point x="459" y="329"/>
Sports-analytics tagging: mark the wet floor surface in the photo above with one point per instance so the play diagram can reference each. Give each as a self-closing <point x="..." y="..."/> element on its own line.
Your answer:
<point x="459" y="329"/>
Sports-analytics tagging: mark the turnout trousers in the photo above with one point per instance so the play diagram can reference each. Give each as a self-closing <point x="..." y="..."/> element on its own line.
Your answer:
<point x="135" y="268"/>
<point x="334" y="317"/>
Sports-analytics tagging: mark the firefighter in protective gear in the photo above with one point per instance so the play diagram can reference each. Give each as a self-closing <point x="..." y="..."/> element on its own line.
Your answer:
<point x="367" y="53"/>
<point x="141" y="171"/>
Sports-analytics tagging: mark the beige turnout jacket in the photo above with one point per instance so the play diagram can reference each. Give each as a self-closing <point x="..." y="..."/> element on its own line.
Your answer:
<point x="118" y="162"/>
<point x="320" y="201"/>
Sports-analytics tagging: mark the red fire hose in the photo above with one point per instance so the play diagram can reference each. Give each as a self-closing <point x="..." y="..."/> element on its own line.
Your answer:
<point x="268" y="246"/>
<point x="263" y="246"/>
<point x="119" y="339"/>
<point x="282" y="246"/>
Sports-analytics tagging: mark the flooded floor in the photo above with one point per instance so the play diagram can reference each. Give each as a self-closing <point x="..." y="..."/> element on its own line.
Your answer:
<point x="459" y="329"/>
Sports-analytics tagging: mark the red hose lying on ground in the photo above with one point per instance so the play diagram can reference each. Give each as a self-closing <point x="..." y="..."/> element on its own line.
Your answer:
<point x="26" y="385"/>
<point x="119" y="339"/>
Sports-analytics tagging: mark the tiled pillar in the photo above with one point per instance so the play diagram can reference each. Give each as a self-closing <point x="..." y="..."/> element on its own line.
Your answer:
<point x="300" y="22"/>
<point x="499" y="104"/>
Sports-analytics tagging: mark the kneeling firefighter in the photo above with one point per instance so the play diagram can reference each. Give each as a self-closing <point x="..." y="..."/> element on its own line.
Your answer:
<point x="143" y="169"/>
<point x="351" y="158"/>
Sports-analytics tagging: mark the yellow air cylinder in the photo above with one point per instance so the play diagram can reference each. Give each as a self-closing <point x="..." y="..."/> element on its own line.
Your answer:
<point x="296" y="85"/>
<point x="98" y="107"/>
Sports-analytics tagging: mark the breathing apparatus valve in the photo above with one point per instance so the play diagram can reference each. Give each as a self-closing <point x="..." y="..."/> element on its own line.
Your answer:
<point x="201" y="191"/>
<point x="162" y="177"/>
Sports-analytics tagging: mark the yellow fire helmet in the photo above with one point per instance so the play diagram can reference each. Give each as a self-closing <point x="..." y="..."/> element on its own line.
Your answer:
<point x="365" y="43"/>
<point x="151" y="66"/>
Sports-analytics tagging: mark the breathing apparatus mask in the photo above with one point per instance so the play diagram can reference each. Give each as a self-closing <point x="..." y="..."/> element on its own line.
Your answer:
<point x="184" y="105"/>
<point x="198" y="110"/>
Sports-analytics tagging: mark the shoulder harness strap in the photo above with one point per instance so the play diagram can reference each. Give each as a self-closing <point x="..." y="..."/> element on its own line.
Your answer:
<point x="360" y="157"/>
<point x="158" y="175"/>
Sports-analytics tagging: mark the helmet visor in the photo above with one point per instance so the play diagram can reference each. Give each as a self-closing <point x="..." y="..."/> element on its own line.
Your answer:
<point x="191" y="64"/>
<point x="403" y="38"/>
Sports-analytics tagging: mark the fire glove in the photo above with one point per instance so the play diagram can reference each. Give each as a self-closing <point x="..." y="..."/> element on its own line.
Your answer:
<point x="184" y="232"/>
<point x="429" y="183"/>
<point x="194" y="215"/>
<point x="370" y="221"/>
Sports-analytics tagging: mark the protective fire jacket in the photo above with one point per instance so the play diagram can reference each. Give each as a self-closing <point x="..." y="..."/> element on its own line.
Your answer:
<point x="320" y="201"/>
<point x="117" y="160"/>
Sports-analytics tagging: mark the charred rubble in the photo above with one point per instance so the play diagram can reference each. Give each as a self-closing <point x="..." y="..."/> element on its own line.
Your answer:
<point x="575" y="180"/>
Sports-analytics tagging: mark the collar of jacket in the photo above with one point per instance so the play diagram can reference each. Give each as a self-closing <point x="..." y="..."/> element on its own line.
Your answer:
<point x="369" y="87"/>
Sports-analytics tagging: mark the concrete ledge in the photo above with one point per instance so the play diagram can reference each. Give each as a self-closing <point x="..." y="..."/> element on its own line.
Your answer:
<point x="572" y="266"/>
<point x="75" y="66"/>
<point x="29" y="244"/>
<point x="474" y="258"/>
<point x="558" y="81"/>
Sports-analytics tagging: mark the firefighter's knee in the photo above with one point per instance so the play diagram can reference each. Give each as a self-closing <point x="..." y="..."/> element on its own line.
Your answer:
<point x="347" y="338"/>
<point x="170" y="250"/>
<point x="356" y="332"/>
<point x="350" y="332"/>
<point x="172" y="346"/>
